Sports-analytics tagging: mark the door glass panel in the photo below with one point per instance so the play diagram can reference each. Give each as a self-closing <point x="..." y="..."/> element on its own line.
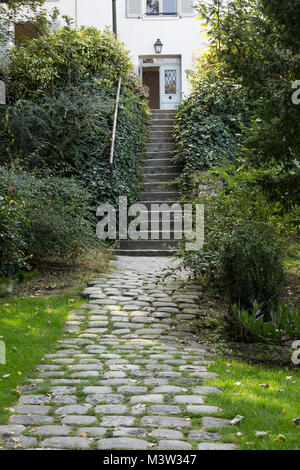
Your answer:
<point x="169" y="7"/>
<point x="170" y="82"/>
<point x="152" y="7"/>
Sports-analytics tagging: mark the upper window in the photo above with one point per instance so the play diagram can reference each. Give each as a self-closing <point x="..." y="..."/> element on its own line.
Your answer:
<point x="161" y="7"/>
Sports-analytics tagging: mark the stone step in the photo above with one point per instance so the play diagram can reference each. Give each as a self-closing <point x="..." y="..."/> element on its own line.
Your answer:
<point x="161" y="139"/>
<point x="163" y="111"/>
<point x="159" y="133"/>
<point x="149" y="203"/>
<point x="160" y="195"/>
<point x="157" y="146"/>
<point x="162" y="128"/>
<point x="139" y="252"/>
<point x="161" y="154"/>
<point x="163" y="234"/>
<point x="156" y="186"/>
<point x="158" y="162"/>
<point x="163" y="116"/>
<point x="165" y="169"/>
<point x="148" y="244"/>
<point x="161" y="177"/>
<point x="162" y="122"/>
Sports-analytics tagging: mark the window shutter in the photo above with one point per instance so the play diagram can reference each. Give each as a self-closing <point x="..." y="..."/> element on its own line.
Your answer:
<point x="134" y="8"/>
<point x="187" y="8"/>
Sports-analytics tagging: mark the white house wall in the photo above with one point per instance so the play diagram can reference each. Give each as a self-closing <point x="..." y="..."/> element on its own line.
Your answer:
<point x="180" y="36"/>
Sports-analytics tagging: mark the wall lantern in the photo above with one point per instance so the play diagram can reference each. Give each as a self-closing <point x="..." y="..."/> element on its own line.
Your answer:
<point x="158" y="46"/>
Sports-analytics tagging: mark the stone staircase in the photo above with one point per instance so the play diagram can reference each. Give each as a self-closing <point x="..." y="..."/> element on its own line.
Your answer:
<point x="159" y="187"/>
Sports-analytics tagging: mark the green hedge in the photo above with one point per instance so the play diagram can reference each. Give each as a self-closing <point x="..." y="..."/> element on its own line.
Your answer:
<point x="42" y="218"/>
<point x="69" y="132"/>
<point x="62" y="91"/>
<point x="208" y="124"/>
<point x="65" y="57"/>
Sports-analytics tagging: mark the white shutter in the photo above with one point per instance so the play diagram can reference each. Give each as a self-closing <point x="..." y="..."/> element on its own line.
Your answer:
<point x="187" y="8"/>
<point x="134" y="8"/>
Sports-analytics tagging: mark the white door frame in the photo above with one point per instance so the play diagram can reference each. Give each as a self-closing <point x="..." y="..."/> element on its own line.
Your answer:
<point x="165" y="63"/>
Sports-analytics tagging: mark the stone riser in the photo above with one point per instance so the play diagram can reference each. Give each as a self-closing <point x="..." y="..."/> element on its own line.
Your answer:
<point x="137" y="252"/>
<point x="156" y="186"/>
<point x="160" y="178"/>
<point x="158" y="162"/>
<point x="164" y="169"/>
<point x="160" y="195"/>
<point x="157" y="146"/>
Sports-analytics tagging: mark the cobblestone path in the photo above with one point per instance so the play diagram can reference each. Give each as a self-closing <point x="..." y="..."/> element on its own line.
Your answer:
<point x="129" y="373"/>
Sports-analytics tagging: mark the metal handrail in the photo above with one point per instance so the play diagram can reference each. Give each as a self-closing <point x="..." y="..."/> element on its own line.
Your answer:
<point x="112" y="148"/>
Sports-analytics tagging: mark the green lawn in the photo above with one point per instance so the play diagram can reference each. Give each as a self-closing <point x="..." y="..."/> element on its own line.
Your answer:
<point x="30" y="327"/>
<point x="270" y="409"/>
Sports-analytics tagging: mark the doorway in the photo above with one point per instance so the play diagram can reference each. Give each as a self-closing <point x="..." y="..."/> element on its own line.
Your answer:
<point x="151" y="81"/>
<point x="162" y="77"/>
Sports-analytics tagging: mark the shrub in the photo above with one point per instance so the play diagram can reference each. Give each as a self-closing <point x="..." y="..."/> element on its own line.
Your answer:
<point x="57" y="212"/>
<point x="208" y="122"/>
<point x="250" y="267"/>
<point x="13" y="246"/>
<point x="65" y="57"/>
<point x="244" y="236"/>
<point x="70" y="132"/>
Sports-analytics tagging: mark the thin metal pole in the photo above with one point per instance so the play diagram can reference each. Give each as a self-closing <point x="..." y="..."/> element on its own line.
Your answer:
<point x="114" y="17"/>
<point x="112" y="149"/>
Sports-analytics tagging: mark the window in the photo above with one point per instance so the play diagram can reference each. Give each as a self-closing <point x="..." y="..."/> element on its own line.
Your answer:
<point x="170" y="82"/>
<point x="161" y="7"/>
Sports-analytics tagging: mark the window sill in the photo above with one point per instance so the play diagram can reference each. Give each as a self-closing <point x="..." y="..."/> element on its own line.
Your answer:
<point x="160" y="17"/>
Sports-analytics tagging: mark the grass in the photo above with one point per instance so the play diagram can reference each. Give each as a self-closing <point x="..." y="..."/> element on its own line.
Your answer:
<point x="32" y="320"/>
<point x="29" y="327"/>
<point x="270" y="409"/>
<point x="54" y="277"/>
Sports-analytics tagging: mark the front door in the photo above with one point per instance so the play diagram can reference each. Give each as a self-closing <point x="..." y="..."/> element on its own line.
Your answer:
<point x="151" y="80"/>
<point x="170" y="84"/>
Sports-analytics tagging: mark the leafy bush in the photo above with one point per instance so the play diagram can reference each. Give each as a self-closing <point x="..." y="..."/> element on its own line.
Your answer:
<point x="257" y="43"/>
<point x="65" y="57"/>
<point x="57" y="214"/>
<point x="209" y="121"/>
<point x="250" y="267"/>
<point x="251" y="326"/>
<point x="70" y="132"/>
<point x="244" y="236"/>
<point x="13" y="246"/>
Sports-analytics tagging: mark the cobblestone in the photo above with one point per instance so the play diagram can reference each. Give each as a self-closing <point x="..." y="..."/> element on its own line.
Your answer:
<point x="140" y="372"/>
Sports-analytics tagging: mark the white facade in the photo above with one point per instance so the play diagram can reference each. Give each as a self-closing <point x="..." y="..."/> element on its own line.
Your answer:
<point x="139" y="24"/>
